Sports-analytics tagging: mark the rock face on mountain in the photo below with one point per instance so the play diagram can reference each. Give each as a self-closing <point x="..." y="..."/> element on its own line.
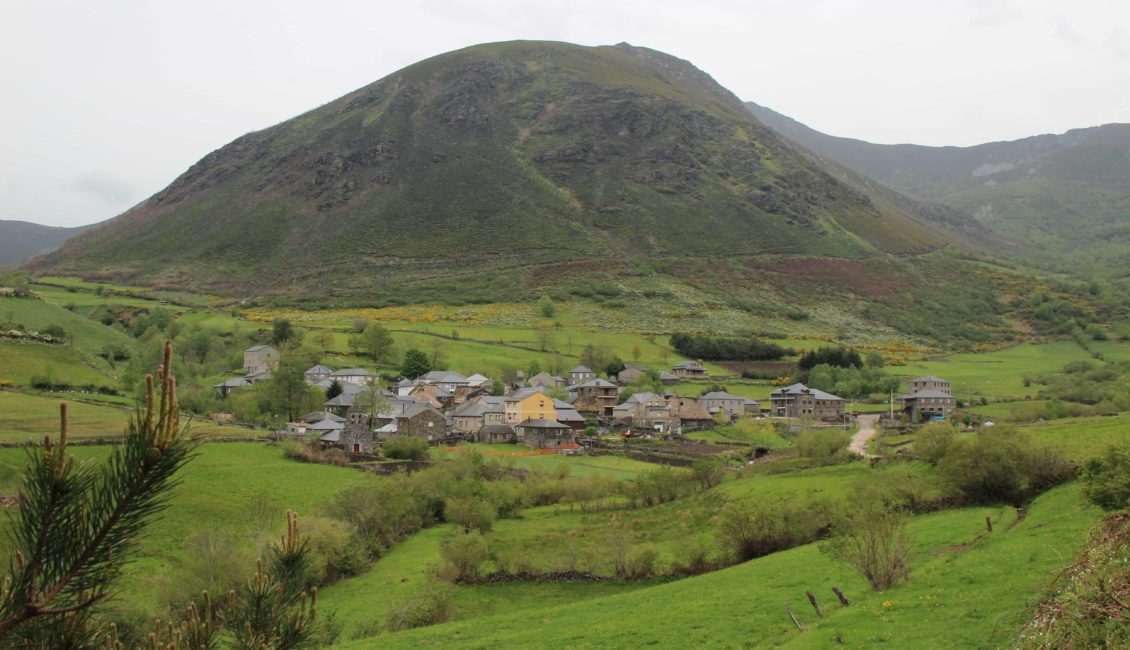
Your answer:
<point x="508" y="156"/>
<point x="22" y="240"/>
<point x="1064" y="197"/>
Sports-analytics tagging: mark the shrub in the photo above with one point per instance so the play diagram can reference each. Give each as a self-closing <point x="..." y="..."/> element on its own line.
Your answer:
<point x="334" y="551"/>
<point x="546" y="306"/>
<point x="824" y="446"/>
<point x="427" y="605"/>
<point x="405" y="448"/>
<point x="465" y="552"/>
<point x="472" y="513"/>
<point x="707" y="472"/>
<point x="752" y="528"/>
<point x="1106" y="479"/>
<point x="640" y="562"/>
<point x="933" y="441"/>
<point x="875" y="542"/>
<point x="1000" y="465"/>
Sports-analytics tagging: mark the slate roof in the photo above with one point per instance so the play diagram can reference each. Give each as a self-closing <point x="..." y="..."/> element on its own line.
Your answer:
<point x="318" y="416"/>
<point x="798" y="388"/>
<point x="256" y="348"/>
<point x="579" y="369"/>
<point x="926" y="393"/>
<point x="688" y="364"/>
<point x="569" y="415"/>
<point x="318" y="370"/>
<point x="496" y="429"/>
<point x="238" y="382"/>
<point x="597" y="383"/>
<point x="930" y="378"/>
<point x="720" y="395"/>
<point x="542" y="424"/>
<point x="326" y="425"/>
<point x="352" y="372"/>
<point x="444" y="376"/>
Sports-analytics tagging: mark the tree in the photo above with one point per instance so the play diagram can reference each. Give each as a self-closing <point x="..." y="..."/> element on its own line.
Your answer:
<point x="636" y="353"/>
<point x="334" y="389"/>
<point x="416" y="363"/>
<point x="78" y="524"/>
<point x="874" y="359"/>
<point x="613" y="366"/>
<point x="373" y="400"/>
<point x="533" y="369"/>
<point x="378" y="343"/>
<point x="286" y="392"/>
<point x="874" y="541"/>
<point x="282" y="331"/>
<point x="466" y="552"/>
<point x="546" y="306"/>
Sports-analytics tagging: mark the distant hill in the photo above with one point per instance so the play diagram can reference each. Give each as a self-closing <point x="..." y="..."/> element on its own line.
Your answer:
<point x="495" y="168"/>
<point x="22" y="240"/>
<point x="1065" y="197"/>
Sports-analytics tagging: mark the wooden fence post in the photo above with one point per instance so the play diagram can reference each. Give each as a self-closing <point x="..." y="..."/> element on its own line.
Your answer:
<point x="988" y="524"/>
<point x="795" y="622"/>
<point x="841" y="596"/>
<point x="812" y="599"/>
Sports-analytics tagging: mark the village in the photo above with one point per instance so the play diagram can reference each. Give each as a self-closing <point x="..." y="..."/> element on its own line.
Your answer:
<point x="551" y="412"/>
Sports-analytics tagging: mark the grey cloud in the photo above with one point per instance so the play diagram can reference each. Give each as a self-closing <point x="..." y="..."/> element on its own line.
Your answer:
<point x="103" y="186"/>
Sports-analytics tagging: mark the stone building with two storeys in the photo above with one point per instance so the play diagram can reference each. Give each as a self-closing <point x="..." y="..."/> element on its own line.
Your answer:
<point x="929" y="398"/>
<point x="800" y="401"/>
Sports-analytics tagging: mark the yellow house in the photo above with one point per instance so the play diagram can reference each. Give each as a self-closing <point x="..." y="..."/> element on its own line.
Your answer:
<point x="529" y="404"/>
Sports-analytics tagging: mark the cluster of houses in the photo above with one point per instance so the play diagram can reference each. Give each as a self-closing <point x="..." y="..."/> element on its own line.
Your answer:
<point x="545" y="410"/>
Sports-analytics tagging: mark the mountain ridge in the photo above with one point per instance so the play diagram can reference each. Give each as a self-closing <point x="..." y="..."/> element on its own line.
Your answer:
<point x="509" y="154"/>
<point x="23" y="240"/>
<point x="1057" y="196"/>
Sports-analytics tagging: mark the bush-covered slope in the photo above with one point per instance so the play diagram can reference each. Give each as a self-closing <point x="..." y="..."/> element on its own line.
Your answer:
<point x="498" y="158"/>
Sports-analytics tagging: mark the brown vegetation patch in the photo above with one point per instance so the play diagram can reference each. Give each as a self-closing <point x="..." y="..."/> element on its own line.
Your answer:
<point x="957" y="549"/>
<point x="855" y="276"/>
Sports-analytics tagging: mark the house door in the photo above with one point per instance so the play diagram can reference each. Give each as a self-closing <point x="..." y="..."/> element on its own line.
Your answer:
<point x="356" y="447"/>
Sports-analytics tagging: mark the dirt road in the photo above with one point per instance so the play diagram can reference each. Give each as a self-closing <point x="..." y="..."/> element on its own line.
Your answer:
<point x="864" y="435"/>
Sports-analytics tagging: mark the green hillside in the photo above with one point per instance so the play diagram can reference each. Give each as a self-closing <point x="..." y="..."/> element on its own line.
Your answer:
<point x="495" y="168"/>
<point x="1062" y="198"/>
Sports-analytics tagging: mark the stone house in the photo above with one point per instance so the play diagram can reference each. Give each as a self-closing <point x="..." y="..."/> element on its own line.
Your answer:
<point x="689" y="413"/>
<point x="930" y="382"/>
<point x="569" y="416"/>
<point x="798" y="401"/>
<point x="927" y="404"/>
<point x="545" y="434"/>
<point x="630" y="373"/>
<point x="597" y="396"/>
<point x="546" y="380"/>
<point x="689" y="369"/>
<point x="357" y="436"/>
<point x="473" y="415"/>
<point x="225" y="388"/>
<point x="667" y="379"/>
<point x="413" y="418"/>
<point x="260" y="359"/>
<point x="721" y="402"/>
<point x="316" y="374"/>
<point x="356" y="376"/>
<point x="497" y="433"/>
<point x="643" y="410"/>
<point x="580" y="375"/>
<point x="445" y="379"/>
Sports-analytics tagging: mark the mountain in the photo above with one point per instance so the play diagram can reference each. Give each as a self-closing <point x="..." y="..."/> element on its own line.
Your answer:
<point x="1064" y="197"/>
<point x="496" y="168"/>
<point x="22" y="240"/>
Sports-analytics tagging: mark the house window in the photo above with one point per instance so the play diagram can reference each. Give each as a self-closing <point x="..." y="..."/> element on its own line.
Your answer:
<point x="431" y="423"/>
<point x="356" y="447"/>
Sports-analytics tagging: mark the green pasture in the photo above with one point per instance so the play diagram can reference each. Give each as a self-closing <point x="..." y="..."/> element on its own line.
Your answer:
<point x="617" y="467"/>
<point x="1081" y="439"/>
<point x="1001" y="373"/>
<point x="20" y="361"/>
<point x="82" y="333"/>
<point x="967" y="589"/>
<point x="28" y="417"/>
<point x="216" y="490"/>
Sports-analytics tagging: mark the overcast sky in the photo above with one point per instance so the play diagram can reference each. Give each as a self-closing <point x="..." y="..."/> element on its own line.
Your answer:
<point x="105" y="102"/>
